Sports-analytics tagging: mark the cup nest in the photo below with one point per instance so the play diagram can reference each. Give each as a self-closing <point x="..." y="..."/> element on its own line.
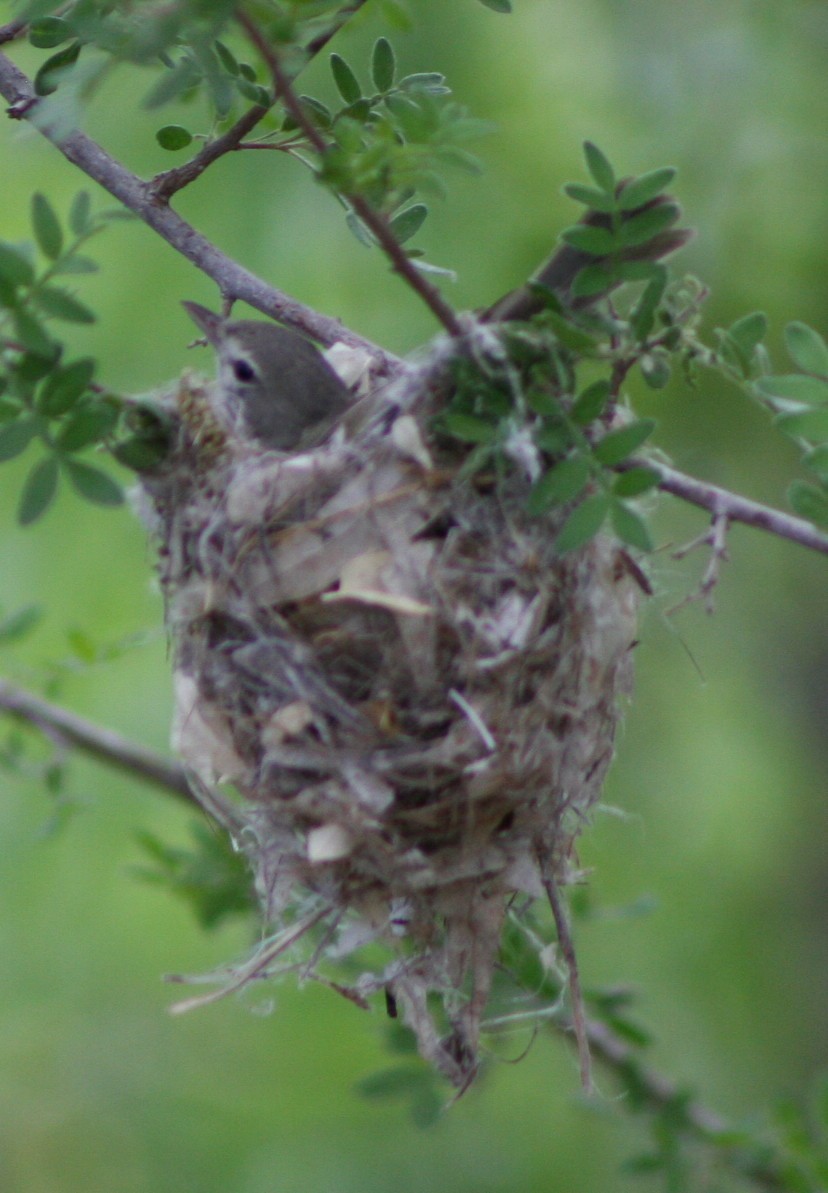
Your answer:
<point x="413" y="695"/>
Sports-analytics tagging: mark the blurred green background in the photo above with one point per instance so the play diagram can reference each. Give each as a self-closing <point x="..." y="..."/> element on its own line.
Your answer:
<point x="721" y="768"/>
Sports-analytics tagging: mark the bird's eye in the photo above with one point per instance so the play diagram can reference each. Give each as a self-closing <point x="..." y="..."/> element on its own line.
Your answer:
<point x="243" y="370"/>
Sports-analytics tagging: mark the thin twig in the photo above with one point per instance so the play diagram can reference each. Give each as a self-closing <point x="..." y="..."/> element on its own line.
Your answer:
<point x="376" y="222"/>
<point x="232" y="279"/>
<point x="103" y="744"/>
<point x="715" y="537"/>
<point x="576" y="998"/>
<point x="722" y="503"/>
<point x="12" y="30"/>
<point x="658" y="1093"/>
<point x="165" y="185"/>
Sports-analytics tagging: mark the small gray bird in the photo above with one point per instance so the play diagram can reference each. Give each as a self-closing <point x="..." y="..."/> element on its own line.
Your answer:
<point x="273" y="385"/>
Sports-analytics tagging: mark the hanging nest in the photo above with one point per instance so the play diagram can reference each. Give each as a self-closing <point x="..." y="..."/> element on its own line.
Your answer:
<point x="413" y="695"/>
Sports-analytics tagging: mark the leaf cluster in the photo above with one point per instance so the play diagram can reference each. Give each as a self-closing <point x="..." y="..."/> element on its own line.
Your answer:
<point x="211" y="877"/>
<point x="391" y="140"/>
<point x="44" y="398"/>
<point x="797" y="401"/>
<point x="583" y="440"/>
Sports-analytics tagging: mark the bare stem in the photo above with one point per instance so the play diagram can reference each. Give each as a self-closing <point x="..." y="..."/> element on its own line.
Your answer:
<point x="576" y="998"/>
<point x="376" y="222"/>
<point x="12" y="30"/>
<point x="165" y="185"/>
<point x="730" y="506"/>
<point x="103" y="744"/>
<point x="657" y="1093"/>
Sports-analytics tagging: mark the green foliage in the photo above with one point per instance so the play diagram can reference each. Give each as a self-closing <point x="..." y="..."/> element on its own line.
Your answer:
<point x="211" y="877"/>
<point x="386" y="142"/>
<point x="588" y="445"/>
<point x="796" y="401"/>
<point x="45" y="399"/>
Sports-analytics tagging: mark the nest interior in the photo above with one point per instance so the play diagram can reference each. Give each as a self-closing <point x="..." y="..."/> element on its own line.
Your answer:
<point x="413" y="695"/>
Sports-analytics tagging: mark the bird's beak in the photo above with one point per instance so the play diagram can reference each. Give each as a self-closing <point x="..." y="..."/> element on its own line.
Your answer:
<point x="206" y="320"/>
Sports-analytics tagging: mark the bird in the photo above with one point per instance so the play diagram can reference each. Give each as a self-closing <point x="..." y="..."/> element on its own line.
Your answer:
<point x="274" y="386"/>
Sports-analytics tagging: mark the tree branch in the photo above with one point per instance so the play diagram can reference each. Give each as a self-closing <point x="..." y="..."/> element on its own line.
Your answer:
<point x="234" y="281"/>
<point x="12" y="30"/>
<point x="103" y="744"/>
<point x="375" y="221"/>
<point x="659" y="1094"/>
<point x="165" y="185"/>
<point x="723" y="504"/>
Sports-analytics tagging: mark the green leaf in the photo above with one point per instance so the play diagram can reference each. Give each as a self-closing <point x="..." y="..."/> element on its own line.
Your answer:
<point x="592" y="280"/>
<point x="591" y="197"/>
<point x="630" y="527"/>
<point x="643" y="315"/>
<point x="226" y="57"/>
<point x="49" y="32"/>
<point x="93" y="484"/>
<point x="88" y="424"/>
<point x="346" y="81"/>
<point x="20" y="623"/>
<point x="315" y="111"/>
<point x="15" y="266"/>
<point x="60" y="305"/>
<point x="64" y="386"/>
<point x="33" y="335"/>
<point x="655" y="370"/>
<point x="583" y="523"/>
<point x="635" y="482"/>
<point x="638" y="229"/>
<point x="48" y="77"/>
<point x="601" y="171"/>
<point x="601" y="242"/>
<point x="407" y="223"/>
<point x="468" y="428"/>
<point x="809" y="502"/>
<point x="383" y="64"/>
<point x="254" y="92"/>
<point x="46" y="224"/>
<point x="498" y="5"/>
<point x="74" y="264"/>
<point x="38" y="491"/>
<point x="807" y="348"/>
<point x="172" y="84"/>
<point x="359" y="230"/>
<point x="805" y="424"/>
<point x="817" y="461"/>
<point x="644" y="188"/>
<point x="431" y="82"/>
<point x="173" y="137"/>
<point x="799" y="387"/>
<point x="617" y="445"/>
<point x="80" y="214"/>
<point x="568" y="334"/>
<point x="590" y="402"/>
<point x="560" y="484"/>
<point x="747" y="332"/>
<point x="15" y="437"/>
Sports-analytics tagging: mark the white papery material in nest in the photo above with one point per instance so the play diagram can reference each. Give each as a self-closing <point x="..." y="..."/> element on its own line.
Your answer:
<point x="414" y="696"/>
